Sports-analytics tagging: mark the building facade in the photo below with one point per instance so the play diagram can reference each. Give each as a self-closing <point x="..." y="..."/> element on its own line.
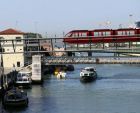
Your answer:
<point x="12" y="51"/>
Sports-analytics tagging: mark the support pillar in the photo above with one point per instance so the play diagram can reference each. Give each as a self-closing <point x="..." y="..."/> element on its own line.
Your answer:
<point x="69" y="54"/>
<point x="90" y="54"/>
<point x="36" y="69"/>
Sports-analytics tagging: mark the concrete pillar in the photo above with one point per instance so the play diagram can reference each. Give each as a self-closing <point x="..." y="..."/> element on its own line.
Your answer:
<point x="69" y="53"/>
<point x="73" y="54"/>
<point x="36" y="69"/>
<point x="90" y="54"/>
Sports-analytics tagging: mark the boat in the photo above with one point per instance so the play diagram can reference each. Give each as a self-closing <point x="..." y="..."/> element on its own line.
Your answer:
<point x="61" y="75"/>
<point x="88" y="74"/>
<point x="23" y="79"/>
<point x="15" y="97"/>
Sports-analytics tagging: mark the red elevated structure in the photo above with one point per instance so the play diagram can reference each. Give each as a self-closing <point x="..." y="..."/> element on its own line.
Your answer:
<point x="103" y="36"/>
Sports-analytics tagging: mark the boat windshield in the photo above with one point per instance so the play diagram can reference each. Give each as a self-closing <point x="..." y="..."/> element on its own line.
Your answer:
<point x="91" y="74"/>
<point x="90" y="69"/>
<point x="11" y="97"/>
<point x="15" y="96"/>
<point x="25" y="75"/>
<point x="20" y="75"/>
<point x="86" y="74"/>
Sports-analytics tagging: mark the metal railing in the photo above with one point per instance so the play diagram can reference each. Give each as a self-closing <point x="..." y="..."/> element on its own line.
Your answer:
<point x="93" y="60"/>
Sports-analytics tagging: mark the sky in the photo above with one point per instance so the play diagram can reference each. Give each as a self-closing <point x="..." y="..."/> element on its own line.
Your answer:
<point x="55" y="17"/>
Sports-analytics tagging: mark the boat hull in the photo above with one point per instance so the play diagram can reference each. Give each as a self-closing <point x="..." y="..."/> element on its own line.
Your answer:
<point x="13" y="103"/>
<point x="15" y="97"/>
<point x="24" y="85"/>
<point x="86" y="79"/>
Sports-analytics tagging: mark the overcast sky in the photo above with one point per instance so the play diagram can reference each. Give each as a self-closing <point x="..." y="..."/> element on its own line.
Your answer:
<point x="58" y="16"/>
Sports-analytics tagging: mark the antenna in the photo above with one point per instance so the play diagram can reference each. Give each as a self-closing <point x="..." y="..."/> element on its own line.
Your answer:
<point x="120" y="26"/>
<point x="131" y="23"/>
<point x="16" y="26"/>
<point x="107" y="23"/>
<point x="35" y="25"/>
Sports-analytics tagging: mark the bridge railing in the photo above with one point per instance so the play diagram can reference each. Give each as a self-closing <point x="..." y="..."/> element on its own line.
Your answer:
<point x="94" y="60"/>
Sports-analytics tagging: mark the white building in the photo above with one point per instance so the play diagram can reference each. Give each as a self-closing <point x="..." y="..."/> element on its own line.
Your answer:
<point x="8" y="48"/>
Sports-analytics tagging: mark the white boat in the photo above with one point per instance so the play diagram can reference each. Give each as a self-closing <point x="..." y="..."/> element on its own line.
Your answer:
<point x="88" y="74"/>
<point x="23" y="78"/>
<point x="61" y="75"/>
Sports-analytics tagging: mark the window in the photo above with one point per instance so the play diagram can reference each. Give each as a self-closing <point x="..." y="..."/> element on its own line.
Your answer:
<point x="18" y="64"/>
<point x="84" y="34"/>
<point x="95" y="33"/>
<point x="1" y="38"/>
<point x="3" y="50"/>
<point x="18" y="39"/>
<point x="75" y="35"/>
<point x="99" y="33"/>
<point x="108" y="33"/>
<point x="104" y="33"/>
<point x="121" y="33"/>
<point x="130" y="32"/>
<point x="68" y="35"/>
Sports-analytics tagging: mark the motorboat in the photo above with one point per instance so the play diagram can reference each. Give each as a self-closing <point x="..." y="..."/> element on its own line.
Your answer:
<point x="61" y="75"/>
<point x="88" y="74"/>
<point x="23" y="78"/>
<point x="15" y="97"/>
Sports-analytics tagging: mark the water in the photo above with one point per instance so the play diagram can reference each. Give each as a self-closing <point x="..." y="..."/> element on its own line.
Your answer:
<point x="117" y="90"/>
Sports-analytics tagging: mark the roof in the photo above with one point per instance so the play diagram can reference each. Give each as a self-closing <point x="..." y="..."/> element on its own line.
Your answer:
<point x="11" y="32"/>
<point x="125" y="29"/>
<point x="89" y="68"/>
<point x="79" y="30"/>
<point x="102" y="30"/>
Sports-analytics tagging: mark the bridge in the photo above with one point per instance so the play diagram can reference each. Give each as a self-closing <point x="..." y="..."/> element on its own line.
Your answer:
<point x="120" y="54"/>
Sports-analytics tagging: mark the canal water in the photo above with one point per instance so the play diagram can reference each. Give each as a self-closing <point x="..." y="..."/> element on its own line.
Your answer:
<point x="117" y="90"/>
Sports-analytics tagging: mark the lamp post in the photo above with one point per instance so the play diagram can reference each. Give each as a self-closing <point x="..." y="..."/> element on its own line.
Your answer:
<point x="131" y="20"/>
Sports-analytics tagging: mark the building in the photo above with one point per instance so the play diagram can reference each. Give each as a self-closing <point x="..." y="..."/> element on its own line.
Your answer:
<point x="9" y="48"/>
<point x="18" y="52"/>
